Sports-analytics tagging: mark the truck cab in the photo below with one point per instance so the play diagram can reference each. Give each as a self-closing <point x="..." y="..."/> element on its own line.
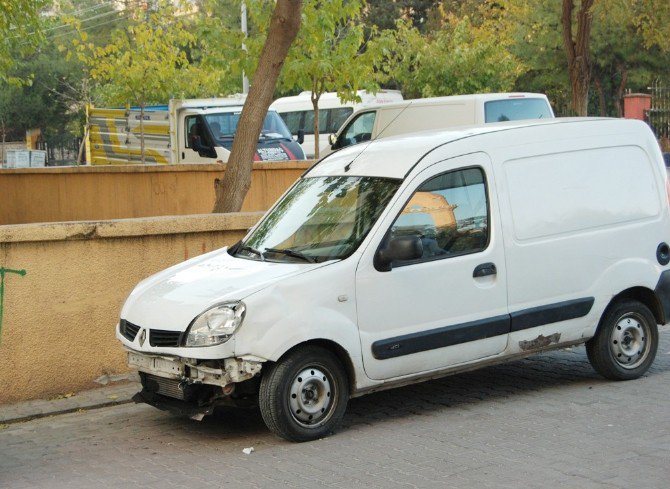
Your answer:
<point x="206" y="129"/>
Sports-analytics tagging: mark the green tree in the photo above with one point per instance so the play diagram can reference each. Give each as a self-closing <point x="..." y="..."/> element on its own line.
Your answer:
<point x="653" y="19"/>
<point x="20" y="30"/>
<point x="327" y="55"/>
<point x="384" y="13"/>
<point x="147" y="62"/>
<point x="457" y="58"/>
<point x="282" y="30"/>
<point x="576" y="21"/>
<point x="620" y="57"/>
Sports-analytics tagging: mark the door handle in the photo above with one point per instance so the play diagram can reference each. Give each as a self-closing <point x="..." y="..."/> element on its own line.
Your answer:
<point x="485" y="269"/>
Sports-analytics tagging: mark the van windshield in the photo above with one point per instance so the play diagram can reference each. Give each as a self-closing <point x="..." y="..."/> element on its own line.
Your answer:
<point x="224" y="124"/>
<point x="321" y="218"/>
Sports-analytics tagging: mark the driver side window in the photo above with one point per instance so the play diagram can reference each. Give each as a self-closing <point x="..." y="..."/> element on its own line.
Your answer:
<point x="449" y="213"/>
<point x="358" y="130"/>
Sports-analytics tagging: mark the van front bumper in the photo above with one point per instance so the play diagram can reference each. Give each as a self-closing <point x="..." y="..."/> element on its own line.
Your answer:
<point x="187" y="386"/>
<point x="228" y="371"/>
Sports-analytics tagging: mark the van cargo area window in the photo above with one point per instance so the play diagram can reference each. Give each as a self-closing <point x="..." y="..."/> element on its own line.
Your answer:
<point x="515" y="109"/>
<point x="449" y="213"/>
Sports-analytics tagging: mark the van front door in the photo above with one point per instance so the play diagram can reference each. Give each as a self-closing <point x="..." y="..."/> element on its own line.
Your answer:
<point x="449" y="306"/>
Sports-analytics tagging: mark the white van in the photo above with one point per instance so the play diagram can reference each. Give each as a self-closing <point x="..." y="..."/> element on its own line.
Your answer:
<point x="412" y="258"/>
<point x="373" y="122"/>
<point x="298" y="113"/>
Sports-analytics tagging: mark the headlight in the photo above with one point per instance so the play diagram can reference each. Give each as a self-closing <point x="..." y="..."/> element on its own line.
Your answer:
<point x="216" y="325"/>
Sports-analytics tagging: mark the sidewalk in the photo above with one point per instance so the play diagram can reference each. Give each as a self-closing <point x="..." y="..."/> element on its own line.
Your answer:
<point x="117" y="393"/>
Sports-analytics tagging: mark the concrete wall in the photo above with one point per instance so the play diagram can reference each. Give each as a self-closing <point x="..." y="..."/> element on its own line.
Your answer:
<point x="58" y="319"/>
<point x="118" y="192"/>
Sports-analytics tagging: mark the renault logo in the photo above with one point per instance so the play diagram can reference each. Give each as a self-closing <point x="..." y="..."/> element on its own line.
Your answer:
<point x="143" y="337"/>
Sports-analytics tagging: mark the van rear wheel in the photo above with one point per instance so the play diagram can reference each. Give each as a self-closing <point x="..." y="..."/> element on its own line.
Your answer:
<point x="304" y="396"/>
<point x="625" y="343"/>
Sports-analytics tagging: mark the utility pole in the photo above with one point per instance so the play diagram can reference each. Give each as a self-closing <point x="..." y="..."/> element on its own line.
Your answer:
<point x="245" y="80"/>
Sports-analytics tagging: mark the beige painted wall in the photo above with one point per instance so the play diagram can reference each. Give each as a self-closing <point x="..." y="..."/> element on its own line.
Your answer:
<point x="118" y="192"/>
<point x="59" y="319"/>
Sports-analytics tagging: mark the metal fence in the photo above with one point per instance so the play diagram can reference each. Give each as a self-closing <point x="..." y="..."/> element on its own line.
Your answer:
<point x="61" y="151"/>
<point x="659" y="113"/>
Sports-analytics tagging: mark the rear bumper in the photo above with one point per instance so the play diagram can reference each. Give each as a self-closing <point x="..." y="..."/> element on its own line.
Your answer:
<point x="662" y="292"/>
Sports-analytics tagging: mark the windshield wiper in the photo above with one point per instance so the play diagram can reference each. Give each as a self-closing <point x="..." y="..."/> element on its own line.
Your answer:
<point x="292" y="253"/>
<point x="252" y="250"/>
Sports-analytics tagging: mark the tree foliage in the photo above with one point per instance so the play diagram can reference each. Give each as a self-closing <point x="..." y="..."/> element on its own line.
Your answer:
<point x="19" y="32"/>
<point x="459" y="57"/>
<point x="328" y="54"/>
<point x="146" y="62"/>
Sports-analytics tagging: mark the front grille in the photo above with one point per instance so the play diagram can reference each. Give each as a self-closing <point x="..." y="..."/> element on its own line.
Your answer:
<point x="128" y="330"/>
<point x="163" y="386"/>
<point x="162" y="338"/>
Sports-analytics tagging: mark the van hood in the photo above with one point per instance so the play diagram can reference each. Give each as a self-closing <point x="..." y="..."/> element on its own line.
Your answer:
<point x="171" y="299"/>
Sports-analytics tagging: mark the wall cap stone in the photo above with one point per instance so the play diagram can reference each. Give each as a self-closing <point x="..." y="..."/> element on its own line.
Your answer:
<point x="215" y="167"/>
<point x="121" y="228"/>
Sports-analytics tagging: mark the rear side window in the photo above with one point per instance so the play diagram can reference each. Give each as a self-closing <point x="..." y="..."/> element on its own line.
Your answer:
<point x="449" y="213"/>
<point x="515" y="109"/>
<point x="580" y="190"/>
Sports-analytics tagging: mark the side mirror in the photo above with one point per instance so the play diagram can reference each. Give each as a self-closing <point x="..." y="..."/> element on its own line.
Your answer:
<point x="400" y="248"/>
<point x="301" y="136"/>
<point x="332" y="139"/>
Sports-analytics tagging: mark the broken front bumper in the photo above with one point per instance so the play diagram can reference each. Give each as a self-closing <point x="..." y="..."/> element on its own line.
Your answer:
<point x="187" y="387"/>
<point x="229" y="370"/>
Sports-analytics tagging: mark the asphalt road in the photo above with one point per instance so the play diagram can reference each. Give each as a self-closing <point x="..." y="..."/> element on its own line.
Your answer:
<point x="545" y="422"/>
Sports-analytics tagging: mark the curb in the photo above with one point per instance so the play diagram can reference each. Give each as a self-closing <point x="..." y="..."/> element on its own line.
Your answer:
<point x="120" y="393"/>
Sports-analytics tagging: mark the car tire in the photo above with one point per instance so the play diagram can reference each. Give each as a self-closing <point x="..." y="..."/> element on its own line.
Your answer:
<point x="304" y="395"/>
<point x="625" y="343"/>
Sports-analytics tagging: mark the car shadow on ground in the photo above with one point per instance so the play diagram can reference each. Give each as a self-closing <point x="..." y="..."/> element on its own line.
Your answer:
<point x="552" y="370"/>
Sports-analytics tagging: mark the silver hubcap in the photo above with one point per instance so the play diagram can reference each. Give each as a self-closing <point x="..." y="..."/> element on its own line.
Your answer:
<point x="310" y="398"/>
<point x="629" y="340"/>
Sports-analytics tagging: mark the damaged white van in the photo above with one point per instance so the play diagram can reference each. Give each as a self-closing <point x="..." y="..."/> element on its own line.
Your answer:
<point x="414" y="257"/>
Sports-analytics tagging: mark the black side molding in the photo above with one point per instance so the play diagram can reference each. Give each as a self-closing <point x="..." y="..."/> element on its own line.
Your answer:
<point x="552" y="313"/>
<point x="457" y="334"/>
<point x="440" y="337"/>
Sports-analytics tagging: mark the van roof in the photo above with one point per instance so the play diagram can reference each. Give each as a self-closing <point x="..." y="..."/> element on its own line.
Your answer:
<point x="303" y="101"/>
<point x="397" y="156"/>
<point x="457" y="99"/>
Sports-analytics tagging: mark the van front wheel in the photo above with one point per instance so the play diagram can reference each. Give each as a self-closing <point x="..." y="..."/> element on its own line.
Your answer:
<point x="625" y="344"/>
<point x="303" y="396"/>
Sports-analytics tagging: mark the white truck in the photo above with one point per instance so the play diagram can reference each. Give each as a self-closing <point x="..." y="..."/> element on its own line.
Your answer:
<point x="184" y="131"/>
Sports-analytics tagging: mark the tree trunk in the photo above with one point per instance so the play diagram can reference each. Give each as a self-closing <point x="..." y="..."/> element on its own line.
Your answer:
<point x="578" y="54"/>
<point x="82" y="146"/>
<point x="620" y="91"/>
<point x="315" y="103"/>
<point x="602" y="103"/>
<point x="2" y="148"/>
<point x="284" y="25"/>
<point x="142" y="132"/>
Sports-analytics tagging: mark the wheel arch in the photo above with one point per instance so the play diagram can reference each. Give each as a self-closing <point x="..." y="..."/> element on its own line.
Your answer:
<point x="641" y="294"/>
<point x="336" y="349"/>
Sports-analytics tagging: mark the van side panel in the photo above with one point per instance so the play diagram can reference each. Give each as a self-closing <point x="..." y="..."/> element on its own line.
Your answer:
<point x="578" y="191"/>
<point x="580" y="226"/>
<point x="391" y="122"/>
